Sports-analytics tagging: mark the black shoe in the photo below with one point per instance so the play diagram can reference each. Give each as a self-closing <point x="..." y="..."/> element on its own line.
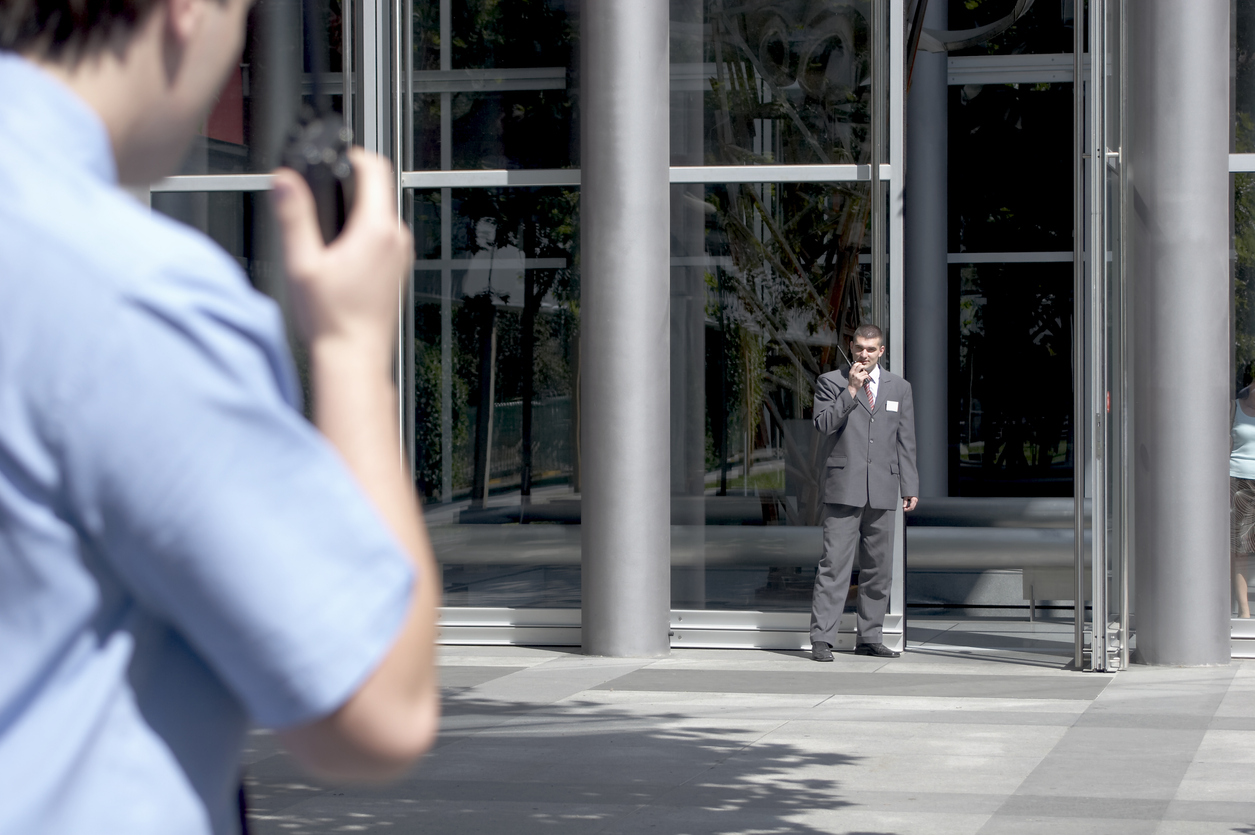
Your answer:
<point x="821" y="651"/>
<point x="878" y="650"/>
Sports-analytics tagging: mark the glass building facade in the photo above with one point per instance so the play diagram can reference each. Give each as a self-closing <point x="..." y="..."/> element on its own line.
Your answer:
<point x="800" y="205"/>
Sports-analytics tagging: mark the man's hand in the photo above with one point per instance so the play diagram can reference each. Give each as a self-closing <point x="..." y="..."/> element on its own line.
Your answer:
<point x="347" y="292"/>
<point x="909" y="502"/>
<point x="858" y="378"/>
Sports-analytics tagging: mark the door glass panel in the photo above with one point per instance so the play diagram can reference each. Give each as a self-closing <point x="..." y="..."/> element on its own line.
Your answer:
<point x="496" y="340"/>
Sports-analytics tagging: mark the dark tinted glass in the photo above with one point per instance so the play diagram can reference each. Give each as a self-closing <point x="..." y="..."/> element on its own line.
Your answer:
<point x="1011" y="383"/>
<point x="769" y="82"/>
<point x="507" y="97"/>
<point x="1044" y="28"/>
<point x="1011" y="168"/>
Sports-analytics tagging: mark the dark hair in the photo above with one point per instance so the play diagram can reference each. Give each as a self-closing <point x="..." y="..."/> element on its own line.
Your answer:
<point x="866" y="331"/>
<point x="67" y="30"/>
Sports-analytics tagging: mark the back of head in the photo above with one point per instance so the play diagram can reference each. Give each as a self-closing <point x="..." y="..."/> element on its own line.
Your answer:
<point x="65" y="31"/>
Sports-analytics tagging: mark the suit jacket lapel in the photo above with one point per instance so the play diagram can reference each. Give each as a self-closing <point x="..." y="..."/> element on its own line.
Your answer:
<point x="883" y="391"/>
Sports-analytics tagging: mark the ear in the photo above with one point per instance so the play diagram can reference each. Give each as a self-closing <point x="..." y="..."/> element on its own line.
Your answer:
<point x="183" y="18"/>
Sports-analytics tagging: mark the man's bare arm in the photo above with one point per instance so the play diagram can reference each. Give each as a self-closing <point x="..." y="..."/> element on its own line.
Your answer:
<point x="347" y="297"/>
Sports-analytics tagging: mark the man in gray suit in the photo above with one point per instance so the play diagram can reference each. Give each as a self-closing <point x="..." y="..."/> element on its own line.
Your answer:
<point x="871" y="468"/>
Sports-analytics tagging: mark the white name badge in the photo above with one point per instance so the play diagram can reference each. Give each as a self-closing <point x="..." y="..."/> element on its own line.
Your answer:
<point x="891" y="405"/>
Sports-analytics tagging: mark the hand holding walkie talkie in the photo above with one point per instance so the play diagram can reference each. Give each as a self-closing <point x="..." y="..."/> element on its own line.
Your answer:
<point x="317" y="149"/>
<point x="346" y="253"/>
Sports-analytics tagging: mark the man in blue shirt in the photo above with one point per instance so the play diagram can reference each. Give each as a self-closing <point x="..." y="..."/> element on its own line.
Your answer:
<point x="181" y="553"/>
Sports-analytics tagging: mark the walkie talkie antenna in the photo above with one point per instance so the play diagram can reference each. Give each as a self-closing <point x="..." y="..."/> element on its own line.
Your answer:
<point x="316" y="49"/>
<point x="318" y="144"/>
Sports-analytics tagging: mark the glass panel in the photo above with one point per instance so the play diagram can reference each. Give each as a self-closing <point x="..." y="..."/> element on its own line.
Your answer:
<point x="1013" y="427"/>
<point x="767" y="286"/>
<point x="769" y="83"/>
<point x="1022" y="132"/>
<point x="1242" y="491"/>
<point x="506" y="99"/>
<point x="1242" y="460"/>
<point x="1041" y="28"/>
<point x="496" y="452"/>
<point x="1244" y="77"/>
<point x="255" y="110"/>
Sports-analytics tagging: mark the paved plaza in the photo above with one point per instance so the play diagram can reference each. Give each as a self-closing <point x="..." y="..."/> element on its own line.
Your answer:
<point x="980" y="728"/>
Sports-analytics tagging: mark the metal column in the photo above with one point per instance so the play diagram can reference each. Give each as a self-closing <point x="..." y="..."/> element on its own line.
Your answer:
<point x="927" y="307"/>
<point x="625" y="327"/>
<point x="1178" y="140"/>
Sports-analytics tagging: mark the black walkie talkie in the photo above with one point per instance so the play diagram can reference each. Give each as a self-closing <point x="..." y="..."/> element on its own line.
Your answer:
<point x="317" y="145"/>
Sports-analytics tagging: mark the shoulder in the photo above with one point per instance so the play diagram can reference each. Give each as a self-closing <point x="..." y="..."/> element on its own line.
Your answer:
<point x="93" y="273"/>
<point x="895" y="379"/>
<point x="98" y="250"/>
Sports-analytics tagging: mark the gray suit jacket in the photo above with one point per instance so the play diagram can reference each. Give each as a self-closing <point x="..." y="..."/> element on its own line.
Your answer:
<point x="873" y="459"/>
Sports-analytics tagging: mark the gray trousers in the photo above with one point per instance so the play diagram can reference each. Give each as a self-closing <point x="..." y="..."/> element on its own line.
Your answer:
<point x="848" y="531"/>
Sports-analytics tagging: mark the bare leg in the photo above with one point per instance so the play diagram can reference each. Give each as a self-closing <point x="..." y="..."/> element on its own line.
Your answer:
<point x="1239" y="586"/>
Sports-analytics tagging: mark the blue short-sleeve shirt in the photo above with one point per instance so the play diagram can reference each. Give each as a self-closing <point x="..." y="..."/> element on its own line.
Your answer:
<point x="181" y="553"/>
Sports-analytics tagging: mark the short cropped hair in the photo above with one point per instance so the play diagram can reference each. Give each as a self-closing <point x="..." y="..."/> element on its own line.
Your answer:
<point x="67" y="30"/>
<point x="869" y="331"/>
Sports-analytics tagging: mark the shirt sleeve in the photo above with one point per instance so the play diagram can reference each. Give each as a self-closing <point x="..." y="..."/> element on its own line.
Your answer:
<point x="221" y="508"/>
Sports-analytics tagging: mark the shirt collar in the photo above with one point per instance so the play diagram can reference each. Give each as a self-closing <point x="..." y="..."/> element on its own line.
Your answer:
<point x="39" y="114"/>
<point x="875" y="375"/>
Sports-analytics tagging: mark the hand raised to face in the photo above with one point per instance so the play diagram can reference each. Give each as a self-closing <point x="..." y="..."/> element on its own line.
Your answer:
<point x="859" y="375"/>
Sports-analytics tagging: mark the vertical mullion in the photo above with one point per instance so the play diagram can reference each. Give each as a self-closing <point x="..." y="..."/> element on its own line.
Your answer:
<point x="346" y="61"/>
<point x="405" y="382"/>
<point x="897" y="357"/>
<point x="1126" y="358"/>
<point x="370" y="75"/>
<point x="1079" y="457"/>
<point x="446" y="257"/>
<point x="1098" y="332"/>
<point x="876" y="138"/>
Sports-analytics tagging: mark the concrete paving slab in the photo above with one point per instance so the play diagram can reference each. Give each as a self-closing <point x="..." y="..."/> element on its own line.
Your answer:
<point x="1102" y="807"/>
<point x="1216" y="780"/>
<point x="861" y="683"/>
<point x="460" y="677"/>
<point x="918" y="739"/>
<point x="1143" y="778"/>
<point x="950" y="704"/>
<point x="1225" y="746"/>
<point x="1205" y="828"/>
<point x="829" y="821"/>
<point x="1010" y="825"/>
<point x="1221" y="811"/>
<point x="1101" y="742"/>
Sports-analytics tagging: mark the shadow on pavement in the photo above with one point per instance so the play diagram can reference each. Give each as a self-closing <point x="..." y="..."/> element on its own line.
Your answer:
<point x="579" y="766"/>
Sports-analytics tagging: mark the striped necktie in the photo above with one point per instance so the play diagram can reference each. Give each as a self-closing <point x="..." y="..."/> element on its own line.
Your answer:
<point x="871" y="398"/>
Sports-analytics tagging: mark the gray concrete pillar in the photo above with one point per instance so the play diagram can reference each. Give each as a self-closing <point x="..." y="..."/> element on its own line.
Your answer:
<point x="926" y="303"/>
<point x="1178" y="138"/>
<point x="625" y="327"/>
